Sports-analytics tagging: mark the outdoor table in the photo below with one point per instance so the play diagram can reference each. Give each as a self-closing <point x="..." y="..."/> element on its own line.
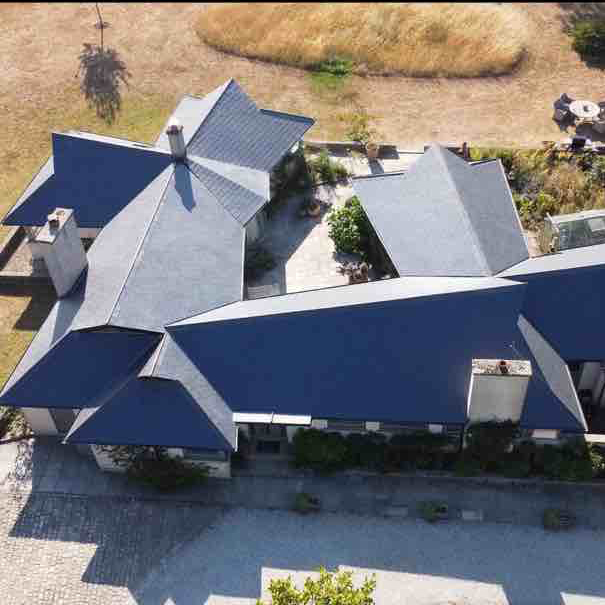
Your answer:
<point x="585" y="110"/>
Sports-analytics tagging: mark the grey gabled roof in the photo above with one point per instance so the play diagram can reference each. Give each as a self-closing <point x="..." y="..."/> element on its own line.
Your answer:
<point x="236" y="131"/>
<point x="241" y="191"/>
<point x="445" y="217"/>
<point x="191" y="259"/>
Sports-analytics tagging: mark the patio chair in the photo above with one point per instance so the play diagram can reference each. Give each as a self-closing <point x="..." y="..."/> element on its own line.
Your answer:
<point x="578" y="143"/>
<point x="599" y="126"/>
<point x="561" y="106"/>
<point x="566" y="99"/>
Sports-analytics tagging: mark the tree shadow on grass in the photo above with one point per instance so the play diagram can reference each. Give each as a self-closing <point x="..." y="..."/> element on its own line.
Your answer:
<point x="103" y="72"/>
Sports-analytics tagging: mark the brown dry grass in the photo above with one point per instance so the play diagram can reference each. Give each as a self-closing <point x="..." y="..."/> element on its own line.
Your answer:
<point x="413" y="39"/>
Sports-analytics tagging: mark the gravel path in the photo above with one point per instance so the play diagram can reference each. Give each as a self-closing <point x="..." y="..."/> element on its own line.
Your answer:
<point x="452" y="564"/>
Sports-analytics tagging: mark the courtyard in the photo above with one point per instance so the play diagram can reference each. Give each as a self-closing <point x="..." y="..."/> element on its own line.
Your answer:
<point x="65" y="549"/>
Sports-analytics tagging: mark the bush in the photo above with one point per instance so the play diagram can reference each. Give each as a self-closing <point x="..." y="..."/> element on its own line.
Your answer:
<point x="489" y="442"/>
<point x="319" y="450"/>
<point x="515" y="467"/>
<point x="167" y="474"/>
<point x="258" y="261"/>
<point x="557" y="519"/>
<point x="432" y="511"/>
<point x="329" y="588"/>
<point x="305" y="503"/>
<point x="359" y="126"/>
<point x="367" y="450"/>
<point x="325" y="170"/>
<point x="466" y="466"/>
<point x="589" y="38"/>
<point x="350" y="228"/>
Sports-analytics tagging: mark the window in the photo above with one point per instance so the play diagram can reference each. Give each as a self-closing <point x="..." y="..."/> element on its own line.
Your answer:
<point x="396" y="427"/>
<point x="204" y="454"/>
<point x="346" y="425"/>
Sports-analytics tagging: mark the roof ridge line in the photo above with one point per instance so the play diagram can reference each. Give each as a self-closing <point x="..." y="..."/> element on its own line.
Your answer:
<point x="140" y="246"/>
<point x="214" y="196"/>
<point x="477" y="248"/>
<point x="140" y="145"/>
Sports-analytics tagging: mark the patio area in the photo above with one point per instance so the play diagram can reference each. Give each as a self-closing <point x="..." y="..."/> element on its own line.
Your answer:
<point x="305" y="256"/>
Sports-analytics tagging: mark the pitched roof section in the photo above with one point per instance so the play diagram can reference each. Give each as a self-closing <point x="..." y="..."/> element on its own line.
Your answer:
<point x="241" y="191"/>
<point x="236" y="131"/>
<point x="191" y="112"/>
<point x="148" y="412"/>
<point x="444" y="217"/>
<point x="553" y="401"/>
<point x="407" y="355"/>
<point x="565" y="300"/>
<point x="96" y="176"/>
<point x="191" y="259"/>
<point x="80" y="368"/>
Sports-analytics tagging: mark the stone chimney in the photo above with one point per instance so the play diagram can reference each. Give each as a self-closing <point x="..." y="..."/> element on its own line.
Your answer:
<point x="497" y="390"/>
<point x="176" y="139"/>
<point x="60" y="245"/>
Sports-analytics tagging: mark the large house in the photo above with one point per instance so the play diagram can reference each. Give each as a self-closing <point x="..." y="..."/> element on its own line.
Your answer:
<point x="151" y="341"/>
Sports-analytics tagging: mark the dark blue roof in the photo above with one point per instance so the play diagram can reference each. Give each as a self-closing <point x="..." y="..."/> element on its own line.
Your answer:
<point x="444" y="216"/>
<point x="148" y="411"/>
<point x="567" y="307"/>
<point x="405" y="359"/>
<point x="80" y="368"/>
<point x="236" y="131"/>
<point x="96" y="176"/>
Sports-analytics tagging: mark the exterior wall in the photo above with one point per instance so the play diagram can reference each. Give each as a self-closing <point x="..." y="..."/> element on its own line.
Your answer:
<point x="494" y="397"/>
<point x="40" y="421"/>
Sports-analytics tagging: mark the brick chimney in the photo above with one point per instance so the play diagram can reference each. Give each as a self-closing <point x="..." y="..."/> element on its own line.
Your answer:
<point x="59" y="243"/>
<point x="497" y="390"/>
<point x="174" y="131"/>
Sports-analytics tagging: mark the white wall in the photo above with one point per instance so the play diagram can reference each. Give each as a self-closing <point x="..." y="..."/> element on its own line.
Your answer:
<point x="104" y="461"/>
<point x="496" y="397"/>
<point x="40" y="421"/>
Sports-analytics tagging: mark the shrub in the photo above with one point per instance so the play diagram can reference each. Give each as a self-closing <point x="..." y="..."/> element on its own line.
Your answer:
<point x="332" y="588"/>
<point x="557" y="519"/>
<point x="258" y="261"/>
<point x="350" y="228"/>
<point x="359" y="126"/>
<point x="466" y="466"/>
<point x="325" y="170"/>
<point x="367" y="450"/>
<point x="432" y="511"/>
<point x="515" y="467"/>
<point x="319" y="450"/>
<point x="489" y="442"/>
<point x="305" y="503"/>
<point x="589" y="38"/>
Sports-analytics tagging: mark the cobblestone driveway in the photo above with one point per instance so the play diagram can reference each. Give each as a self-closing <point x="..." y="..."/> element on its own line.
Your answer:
<point x="87" y="551"/>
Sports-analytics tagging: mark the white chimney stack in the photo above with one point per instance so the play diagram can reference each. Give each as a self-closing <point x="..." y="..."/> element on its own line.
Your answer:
<point x="497" y="390"/>
<point x="176" y="139"/>
<point x="59" y="243"/>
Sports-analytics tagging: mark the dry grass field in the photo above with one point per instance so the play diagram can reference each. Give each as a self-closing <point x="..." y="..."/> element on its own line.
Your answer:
<point x="39" y="47"/>
<point x="410" y="39"/>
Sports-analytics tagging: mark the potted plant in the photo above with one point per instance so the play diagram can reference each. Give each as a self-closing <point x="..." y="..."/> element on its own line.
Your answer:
<point x="306" y="503"/>
<point x="372" y="150"/>
<point x="360" y="130"/>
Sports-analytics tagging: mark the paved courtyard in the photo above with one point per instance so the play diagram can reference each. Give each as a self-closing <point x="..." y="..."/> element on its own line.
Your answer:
<point x="73" y="550"/>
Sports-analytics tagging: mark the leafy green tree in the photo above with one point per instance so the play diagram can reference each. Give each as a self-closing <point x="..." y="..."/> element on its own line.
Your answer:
<point x="329" y="589"/>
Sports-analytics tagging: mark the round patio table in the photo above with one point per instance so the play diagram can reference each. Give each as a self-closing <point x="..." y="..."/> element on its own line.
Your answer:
<point x="584" y="109"/>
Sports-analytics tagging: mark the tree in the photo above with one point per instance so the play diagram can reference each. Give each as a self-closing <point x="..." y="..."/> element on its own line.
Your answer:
<point x="103" y="72"/>
<point x="329" y="589"/>
<point x="154" y="466"/>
